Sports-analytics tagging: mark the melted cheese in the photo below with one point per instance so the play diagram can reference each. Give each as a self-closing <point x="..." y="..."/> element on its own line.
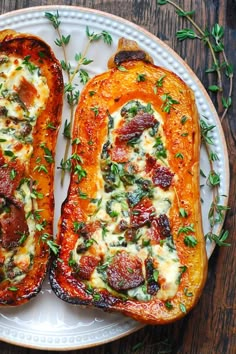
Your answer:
<point x="12" y="72"/>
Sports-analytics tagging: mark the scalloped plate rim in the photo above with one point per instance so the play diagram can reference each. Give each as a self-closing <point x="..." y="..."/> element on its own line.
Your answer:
<point x="35" y="9"/>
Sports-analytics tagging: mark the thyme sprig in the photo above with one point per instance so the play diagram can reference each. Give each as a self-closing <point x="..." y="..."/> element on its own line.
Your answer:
<point x="217" y="211"/>
<point x="214" y="40"/>
<point x="71" y="90"/>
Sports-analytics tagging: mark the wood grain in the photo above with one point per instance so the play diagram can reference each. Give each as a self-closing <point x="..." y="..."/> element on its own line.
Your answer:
<point x="211" y="327"/>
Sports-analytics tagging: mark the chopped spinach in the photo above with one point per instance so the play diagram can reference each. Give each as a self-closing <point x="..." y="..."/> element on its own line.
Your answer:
<point x="137" y="195"/>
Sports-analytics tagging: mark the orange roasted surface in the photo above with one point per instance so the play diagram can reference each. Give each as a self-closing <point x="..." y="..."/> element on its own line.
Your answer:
<point x="31" y="93"/>
<point x="130" y="233"/>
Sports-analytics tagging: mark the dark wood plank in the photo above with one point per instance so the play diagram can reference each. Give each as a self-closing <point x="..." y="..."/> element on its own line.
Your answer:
<point x="211" y="326"/>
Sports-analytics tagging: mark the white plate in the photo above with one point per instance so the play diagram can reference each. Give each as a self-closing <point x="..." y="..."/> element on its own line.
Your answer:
<point x="46" y="322"/>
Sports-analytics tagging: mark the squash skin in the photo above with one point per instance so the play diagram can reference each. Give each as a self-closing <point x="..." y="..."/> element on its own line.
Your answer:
<point x="22" y="45"/>
<point x="112" y="90"/>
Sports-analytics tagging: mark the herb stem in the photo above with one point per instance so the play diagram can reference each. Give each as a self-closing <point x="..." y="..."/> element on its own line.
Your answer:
<point x="215" y="190"/>
<point x="66" y="152"/>
<point x="80" y="62"/>
<point x="187" y="16"/>
<point x="219" y="77"/>
<point x="67" y="148"/>
<point x="63" y="49"/>
<point x="72" y="110"/>
<point x="230" y="86"/>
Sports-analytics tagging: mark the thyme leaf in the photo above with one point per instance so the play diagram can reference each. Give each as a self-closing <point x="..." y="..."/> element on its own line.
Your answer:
<point x="182" y="13"/>
<point x="168" y="102"/>
<point x="186" y="33"/>
<point x="218" y="239"/>
<point x="53" y="18"/>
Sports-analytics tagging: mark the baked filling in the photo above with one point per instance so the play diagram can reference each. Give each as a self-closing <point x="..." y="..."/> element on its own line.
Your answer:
<point x="126" y="245"/>
<point x="23" y="95"/>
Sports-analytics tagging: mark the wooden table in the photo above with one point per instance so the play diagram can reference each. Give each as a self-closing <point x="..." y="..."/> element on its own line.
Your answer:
<point x="211" y="326"/>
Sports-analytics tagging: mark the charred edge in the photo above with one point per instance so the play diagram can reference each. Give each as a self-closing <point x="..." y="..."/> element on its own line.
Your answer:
<point x="127" y="55"/>
<point x="34" y="292"/>
<point x="13" y="301"/>
<point x="60" y="293"/>
<point x="31" y="42"/>
<point x="105" y="301"/>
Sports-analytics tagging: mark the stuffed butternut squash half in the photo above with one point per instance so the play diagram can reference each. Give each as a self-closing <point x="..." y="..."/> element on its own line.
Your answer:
<point x="31" y="93"/>
<point x="130" y="233"/>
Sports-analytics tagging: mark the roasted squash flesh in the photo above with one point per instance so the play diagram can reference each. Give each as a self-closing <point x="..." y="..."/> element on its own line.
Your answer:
<point x="31" y="94"/>
<point x="130" y="233"/>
